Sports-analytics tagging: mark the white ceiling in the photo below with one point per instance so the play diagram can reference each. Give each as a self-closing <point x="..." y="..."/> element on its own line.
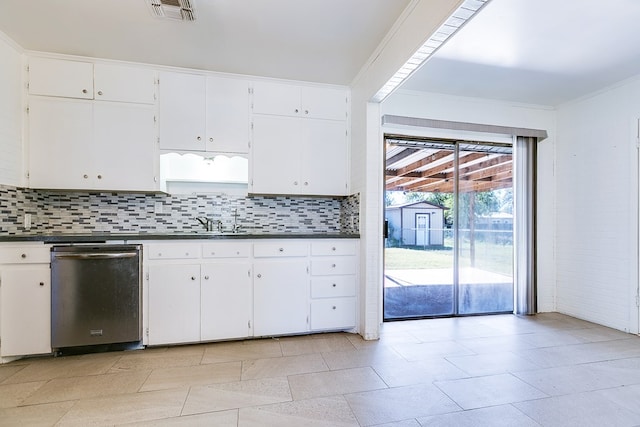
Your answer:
<point x="324" y="41"/>
<point x="534" y="51"/>
<point x="537" y="51"/>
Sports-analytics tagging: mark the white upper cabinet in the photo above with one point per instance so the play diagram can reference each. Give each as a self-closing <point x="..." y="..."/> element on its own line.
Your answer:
<point x="86" y="80"/>
<point x="58" y="77"/>
<point x="124" y="147"/>
<point x="124" y="84"/>
<point x="182" y="111"/>
<point x="296" y="156"/>
<point x="78" y="144"/>
<point x="299" y="101"/>
<point x="299" y="140"/>
<point x="227" y="115"/>
<point x="200" y="113"/>
<point x="324" y="155"/>
<point x="323" y="103"/>
<point x="57" y="154"/>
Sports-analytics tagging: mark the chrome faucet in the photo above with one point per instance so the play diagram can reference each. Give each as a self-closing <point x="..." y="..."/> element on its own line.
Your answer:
<point x="208" y="223"/>
<point x="235" y="228"/>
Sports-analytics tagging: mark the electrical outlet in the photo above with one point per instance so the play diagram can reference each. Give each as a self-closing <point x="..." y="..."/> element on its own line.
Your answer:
<point x="157" y="207"/>
<point x="27" y="221"/>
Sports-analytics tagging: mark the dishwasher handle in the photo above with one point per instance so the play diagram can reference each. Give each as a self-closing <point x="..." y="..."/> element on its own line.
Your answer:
<point x="97" y="255"/>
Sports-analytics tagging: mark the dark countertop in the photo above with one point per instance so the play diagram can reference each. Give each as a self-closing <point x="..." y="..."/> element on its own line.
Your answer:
<point x="104" y="237"/>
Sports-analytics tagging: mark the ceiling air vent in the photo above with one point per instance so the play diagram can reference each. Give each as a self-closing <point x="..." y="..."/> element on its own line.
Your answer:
<point x="180" y="10"/>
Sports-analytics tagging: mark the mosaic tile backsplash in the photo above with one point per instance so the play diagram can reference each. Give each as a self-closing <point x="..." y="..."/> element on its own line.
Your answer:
<point x="71" y="212"/>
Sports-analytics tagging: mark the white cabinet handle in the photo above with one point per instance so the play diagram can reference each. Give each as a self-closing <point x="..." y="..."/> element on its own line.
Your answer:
<point x="41" y="283"/>
<point x="281" y="249"/>
<point x="306" y="183"/>
<point x="199" y="138"/>
<point x="210" y="139"/>
<point x="206" y="277"/>
<point x="295" y="182"/>
<point x="334" y="307"/>
<point x="99" y="176"/>
<point x="296" y="111"/>
<point x="23" y="256"/>
<point x="193" y="278"/>
<point x="259" y="276"/>
<point x="333" y="266"/>
<point x="306" y="111"/>
<point x="333" y="248"/>
<point x="85" y="176"/>
<point x="99" y="92"/>
<point x="84" y="91"/>
<point x="334" y="285"/>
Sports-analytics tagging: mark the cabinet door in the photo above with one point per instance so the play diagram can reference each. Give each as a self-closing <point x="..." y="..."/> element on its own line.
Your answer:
<point x="60" y="143"/>
<point x="25" y="310"/>
<point x="114" y="82"/>
<point x="281" y="290"/>
<point x="226" y="303"/>
<point x="275" y="155"/>
<point x="58" y="77"/>
<point x="227" y="115"/>
<point x="276" y="98"/>
<point x="324" y="157"/>
<point x="174" y="304"/>
<point x="333" y="313"/>
<point x="125" y="153"/>
<point x="324" y="103"/>
<point x="182" y="111"/>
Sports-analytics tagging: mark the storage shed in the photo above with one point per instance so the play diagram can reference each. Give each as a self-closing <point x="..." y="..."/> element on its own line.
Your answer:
<point x="415" y="224"/>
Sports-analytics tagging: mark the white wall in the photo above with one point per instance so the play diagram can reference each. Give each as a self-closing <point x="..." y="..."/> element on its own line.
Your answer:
<point x="473" y="110"/>
<point x="597" y="193"/>
<point x="411" y="30"/>
<point x="10" y="112"/>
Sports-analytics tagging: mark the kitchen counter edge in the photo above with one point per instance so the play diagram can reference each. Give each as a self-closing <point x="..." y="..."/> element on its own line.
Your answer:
<point x="104" y="237"/>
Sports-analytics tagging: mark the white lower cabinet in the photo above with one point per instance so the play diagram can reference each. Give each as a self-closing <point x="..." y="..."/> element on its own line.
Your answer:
<point x="206" y="298"/>
<point x="25" y="300"/>
<point x="174" y="303"/>
<point x="281" y="289"/>
<point x="333" y="284"/>
<point x="219" y="290"/>
<point x="225" y="300"/>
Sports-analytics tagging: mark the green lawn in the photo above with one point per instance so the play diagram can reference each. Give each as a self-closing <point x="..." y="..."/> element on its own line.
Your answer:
<point x="492" y="257"/>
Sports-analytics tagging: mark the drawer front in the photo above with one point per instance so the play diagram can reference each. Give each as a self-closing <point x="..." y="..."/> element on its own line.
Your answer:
<point x="280" y="249"/>
<point x="327" y="266"/>
<point x="331" y="287"/>
<point x="334" y="313"/>
<point x="226" y="250"/>
<point x="39" y="254"/>
<point x="333" y="247"/>
<point x="174" y="251"/>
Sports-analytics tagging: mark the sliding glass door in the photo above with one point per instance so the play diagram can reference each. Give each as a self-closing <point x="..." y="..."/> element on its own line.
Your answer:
<point x="449" y="228"/>
<point x="485" y="231"/>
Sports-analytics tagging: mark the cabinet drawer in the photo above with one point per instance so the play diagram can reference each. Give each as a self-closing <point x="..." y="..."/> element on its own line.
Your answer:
<point x="25" y="255"/>
<point x="333" y="247"/>
<point x="333" y="265"/>
<point x="334" y="313"/>
<point x="331" y="287"/>
<point x="174" y="251"/>
<point x="226" y="250"/>
<point x="280" y="249"/>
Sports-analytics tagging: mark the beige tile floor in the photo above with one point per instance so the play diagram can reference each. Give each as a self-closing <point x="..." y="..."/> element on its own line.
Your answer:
<point x="549" y="370"/>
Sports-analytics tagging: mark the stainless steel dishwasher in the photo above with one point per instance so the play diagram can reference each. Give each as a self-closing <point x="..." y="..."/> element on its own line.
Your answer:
<point x="95" y="294"/>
